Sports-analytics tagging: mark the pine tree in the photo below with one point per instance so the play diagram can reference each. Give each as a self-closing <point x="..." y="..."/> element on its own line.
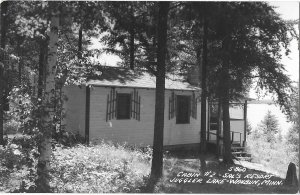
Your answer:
<point x="269" y="126"/>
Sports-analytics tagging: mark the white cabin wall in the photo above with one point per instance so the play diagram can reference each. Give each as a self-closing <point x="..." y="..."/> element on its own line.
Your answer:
<point x="74" y="108"/>
<point x="131" y="131"/>
<point x="140" y="132"/>
<point x="181" y="133"/>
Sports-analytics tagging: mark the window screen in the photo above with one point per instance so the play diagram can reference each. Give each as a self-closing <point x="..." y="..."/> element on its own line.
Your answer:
<point x="123" y="106"/>
<point x="183" y="109"/>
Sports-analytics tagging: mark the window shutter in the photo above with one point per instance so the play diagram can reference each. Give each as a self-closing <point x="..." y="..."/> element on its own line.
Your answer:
<point x="135" y="105"/>
<point x="194" y="106"/>
<point x="116" y="100"/>
<point x="139" y="109"/>
<point x="190" y="108"/>
<point x="175" y="106"/>
<point x="172" y="106"/>
<point x="111" y="105"/>
<point x="107" y="106"/>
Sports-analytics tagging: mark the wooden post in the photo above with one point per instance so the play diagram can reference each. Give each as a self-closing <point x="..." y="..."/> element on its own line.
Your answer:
<point x="240" y="139"/>
<point x="87" y="114"/>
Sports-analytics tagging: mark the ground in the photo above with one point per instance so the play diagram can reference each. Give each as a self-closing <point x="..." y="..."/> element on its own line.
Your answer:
<point x="178" y="167"/>
<point x="118" y="168"/>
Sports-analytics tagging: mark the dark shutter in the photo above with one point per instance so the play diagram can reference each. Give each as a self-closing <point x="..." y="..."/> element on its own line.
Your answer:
<point x="135" y="105"/>
<point x="172" y="106"/>
<point x="111" y="105"/>
<point x="194" y="106"/>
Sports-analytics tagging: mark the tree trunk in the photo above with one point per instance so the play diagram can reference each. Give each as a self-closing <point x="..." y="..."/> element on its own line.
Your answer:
<point x="203" y="94"/>
<point x="157" y="160"/>
<point x="47" y="118"/>
<point x="204" y="88"/>
<point x="19" y="53"/>
<point x="80" y="42"/>
<point x="227" y="156"/>
<point x="1" y="103"/>
<point x="42" y="65"/>
<point x="3" y="30"/>
<point x="219" y="127"/>
<point x="4" y="7"/>
<point x="132" y="39"/>
<point x="299" y="100"/>
<point x="1" y="86"/>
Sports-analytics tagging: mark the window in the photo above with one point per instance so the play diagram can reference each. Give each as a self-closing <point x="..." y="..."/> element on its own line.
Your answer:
<point x="123" y="105"/>
<point x="183" y="109"/>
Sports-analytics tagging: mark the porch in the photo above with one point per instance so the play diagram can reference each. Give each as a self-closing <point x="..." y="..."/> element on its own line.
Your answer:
<point x="238" y="126"/>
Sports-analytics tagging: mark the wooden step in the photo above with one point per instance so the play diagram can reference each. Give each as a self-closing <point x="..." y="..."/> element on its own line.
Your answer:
<point x="244" y="158"/>
<point x="237" y="148"/>
<point x="243" y="152"/>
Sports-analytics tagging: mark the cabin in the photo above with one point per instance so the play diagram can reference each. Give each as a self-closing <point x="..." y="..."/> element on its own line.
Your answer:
<point x="119" y="106"/>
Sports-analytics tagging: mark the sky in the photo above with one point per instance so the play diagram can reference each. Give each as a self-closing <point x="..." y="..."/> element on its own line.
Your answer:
<point x="289" y="10"/>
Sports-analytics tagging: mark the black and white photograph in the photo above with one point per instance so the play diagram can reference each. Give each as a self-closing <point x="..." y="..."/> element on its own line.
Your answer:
<point x="149" y="97"/>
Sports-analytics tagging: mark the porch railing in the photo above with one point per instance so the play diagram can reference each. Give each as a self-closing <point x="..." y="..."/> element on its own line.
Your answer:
<point x="232" y="137"/>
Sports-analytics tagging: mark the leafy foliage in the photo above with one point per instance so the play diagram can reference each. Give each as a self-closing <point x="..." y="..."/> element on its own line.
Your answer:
<point x="18" y="165"/>
<point x="100" y="168"/>
<point x="292" y="137"/>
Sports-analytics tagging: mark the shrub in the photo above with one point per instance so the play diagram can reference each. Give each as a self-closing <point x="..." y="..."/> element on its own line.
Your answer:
<point x="67" y="138"/>
<point x="17" y="165"/>
<point x="11" y="127"/>
<point x="103" y="168"/>
<point x="275" y="156"/>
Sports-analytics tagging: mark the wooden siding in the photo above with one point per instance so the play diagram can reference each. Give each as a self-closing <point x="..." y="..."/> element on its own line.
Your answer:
<point x="74" y="108"/>
<point x="140" y="132"/>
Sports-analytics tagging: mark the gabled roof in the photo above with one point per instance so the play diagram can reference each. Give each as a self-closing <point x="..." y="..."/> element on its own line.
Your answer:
<point x="121" y="77"/>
